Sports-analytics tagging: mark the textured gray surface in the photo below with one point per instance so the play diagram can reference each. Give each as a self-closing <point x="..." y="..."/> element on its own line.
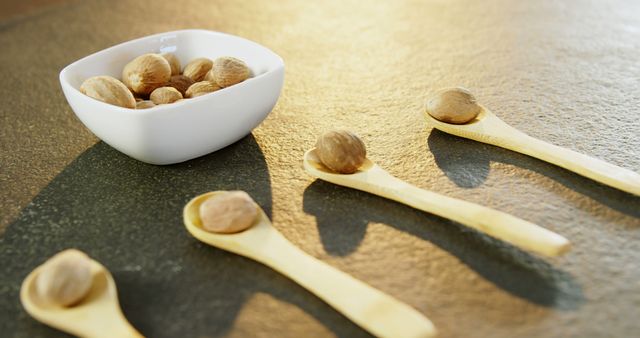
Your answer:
<point x="567" y="73"/>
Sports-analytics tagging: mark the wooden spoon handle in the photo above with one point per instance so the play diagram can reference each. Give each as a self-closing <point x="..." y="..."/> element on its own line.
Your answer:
<point x="593" y="168"/>
<point x="492" y="130"/>
<point x="117" y="328"/>
<point x="371" y="309"/>
<point x="495" y="223"/>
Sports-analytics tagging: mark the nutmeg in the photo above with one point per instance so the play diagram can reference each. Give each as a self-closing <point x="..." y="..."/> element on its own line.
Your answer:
<point x="108" y="89"/>
<point x="173" y="62"/>
<point x="201" y="88"/>
<point x="341" y="151"/>
<point x="228" y="71"/>
<point x="164" y="95"/>
<point x="65" y="279"/>
<point x="146" y="73"/>
<point x="181" y="83"/>
<point x="453" y="105"/>
<point x="197" y="69"/>
<point x="228" y="212"/>
<point x="145" y="104"/>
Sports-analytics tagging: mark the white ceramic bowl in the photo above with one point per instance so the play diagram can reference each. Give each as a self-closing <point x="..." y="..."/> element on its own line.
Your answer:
<point x="187" y="129"/>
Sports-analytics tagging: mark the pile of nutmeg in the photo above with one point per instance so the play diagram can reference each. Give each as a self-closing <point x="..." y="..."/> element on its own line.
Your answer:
<point x="154" y="79"/>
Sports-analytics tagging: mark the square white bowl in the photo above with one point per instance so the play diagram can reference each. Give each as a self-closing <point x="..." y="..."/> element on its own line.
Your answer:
<point x="187" y="129"/>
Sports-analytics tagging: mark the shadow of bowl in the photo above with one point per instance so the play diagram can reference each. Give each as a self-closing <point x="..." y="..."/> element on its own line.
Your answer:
<point x="128" y="215"/>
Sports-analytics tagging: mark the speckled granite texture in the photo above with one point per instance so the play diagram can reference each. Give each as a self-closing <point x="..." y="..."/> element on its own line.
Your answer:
<point x="568" y="73"/>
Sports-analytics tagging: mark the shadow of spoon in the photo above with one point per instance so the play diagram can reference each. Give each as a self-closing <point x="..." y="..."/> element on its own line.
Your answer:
<point x="98" y="315"/>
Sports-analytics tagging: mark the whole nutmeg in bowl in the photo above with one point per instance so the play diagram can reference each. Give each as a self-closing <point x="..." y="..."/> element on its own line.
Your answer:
<point x="181" y="83"/>
<point x="201" y="88"/>
<point x="109" y="90"/>
<point x="197" y="69"/>
<point x="145" y="77"/>
<point x="173" y="62"/>
<point x="165" y="95"/>
<point x="228" y="71"/>
<point x="341" y="151"/>
<point x="145" y="104"/>
<point x="146" y="73"/>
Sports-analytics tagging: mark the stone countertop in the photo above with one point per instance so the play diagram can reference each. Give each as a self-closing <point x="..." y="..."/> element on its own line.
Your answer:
<point x="567" y="73"/>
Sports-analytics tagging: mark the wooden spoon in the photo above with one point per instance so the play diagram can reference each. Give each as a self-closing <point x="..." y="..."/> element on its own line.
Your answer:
<point x="488" y="128"/>
<point x="98" y="314"/>
<point x="373" y="310"/>
<point x="373" y="179"/>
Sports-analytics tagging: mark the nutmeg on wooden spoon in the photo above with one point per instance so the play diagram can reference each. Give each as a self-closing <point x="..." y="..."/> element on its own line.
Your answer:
<point x="375" y="311"/>
<point x="77" y="295"/>
<point x="448" y="107"/>
<point x="228" y="212"/>
<point x="453" y="105"/>
<point x="341" y="151"/>
<point x="369" y="177"/>
<point x="65" y="278"/>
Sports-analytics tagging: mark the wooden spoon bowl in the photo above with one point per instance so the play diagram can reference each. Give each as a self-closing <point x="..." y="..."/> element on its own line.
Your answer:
<point x="97" y="315"/>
